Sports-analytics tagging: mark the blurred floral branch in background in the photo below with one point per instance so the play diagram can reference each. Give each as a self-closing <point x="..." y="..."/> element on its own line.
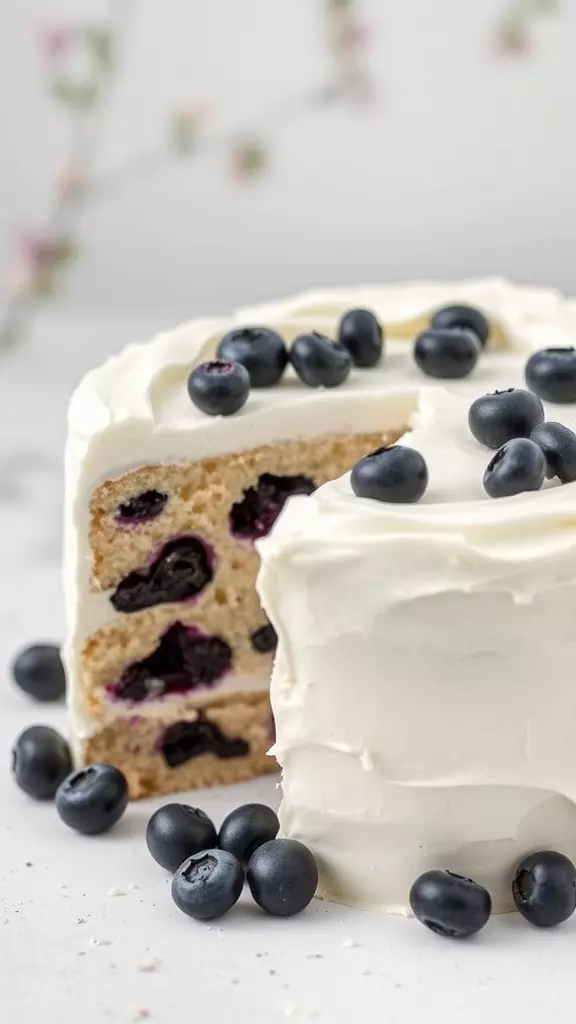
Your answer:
<point x="515" y="31"/>
<point x="82" y="64"/>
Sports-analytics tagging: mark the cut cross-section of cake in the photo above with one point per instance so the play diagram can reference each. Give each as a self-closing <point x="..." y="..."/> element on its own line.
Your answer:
<point x="168" y="651"/>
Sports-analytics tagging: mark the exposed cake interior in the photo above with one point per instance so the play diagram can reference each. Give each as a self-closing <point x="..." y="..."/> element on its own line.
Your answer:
<point x="168" y="650"/>
<point x="175" y="677"/>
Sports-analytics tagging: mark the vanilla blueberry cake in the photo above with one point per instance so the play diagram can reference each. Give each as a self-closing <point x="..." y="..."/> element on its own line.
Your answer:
<point x="181" y="455"/>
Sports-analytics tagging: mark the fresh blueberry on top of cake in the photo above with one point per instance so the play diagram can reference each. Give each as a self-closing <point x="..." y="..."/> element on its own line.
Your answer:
<point x="503" y="415"/>
<point x="551" y="374"/>
<point x="260" y="350"/>
<point x="396" y="474"/>
<point x="558" y="443"/>
<point x="518" y="466"/>
<point x="462" y="316"/>
<point x="447" y="353"/>
<point x="361" y="333"/>
<point x="319" y="362"/>
<point x="219" y="387"/>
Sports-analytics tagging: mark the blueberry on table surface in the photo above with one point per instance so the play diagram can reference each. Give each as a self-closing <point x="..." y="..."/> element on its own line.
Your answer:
<point x="449" y="904"/>
<point x="558" y="443"/>
<point x="397" y="474"/>
<point x="39" y="672"/>
<point x="360" y="332"/>
<point x="259" y="350"/>
<point x="319" y="362"/>
<point x="544" y="888"/>
<point x="247" y="828"/>
<point x="520" y="465"/>
<point x="551" y="374"/>
<point x="41" y="759"/>
<point x="448" y="354"/>
<point x="92" y="799"/>
<point x="208" y="884"/>
<point x="467" y="317"/>
<point x="500" y="416"/>
<point x="177" y="831"/>
<point x="219" y="388"/>
<point x="180" y="571"/>
<point x="283" y="877"/>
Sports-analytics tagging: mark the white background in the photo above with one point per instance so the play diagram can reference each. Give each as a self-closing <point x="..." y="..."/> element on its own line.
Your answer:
<point x="463" y="164"/>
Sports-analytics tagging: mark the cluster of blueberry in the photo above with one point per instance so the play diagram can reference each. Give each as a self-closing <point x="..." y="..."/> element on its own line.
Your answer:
<point x="257" y="357"/>
<point x="209" y="867"/>
<point x="543" y="890"/>
<point x="511" y="421"/>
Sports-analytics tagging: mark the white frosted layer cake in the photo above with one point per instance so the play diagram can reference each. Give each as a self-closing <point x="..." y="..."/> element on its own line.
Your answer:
<point x="423" y="687"/>
<point x="168" y="649"/>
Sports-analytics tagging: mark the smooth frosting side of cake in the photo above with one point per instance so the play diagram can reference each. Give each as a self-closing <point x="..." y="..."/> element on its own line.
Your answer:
<point x="423" y="685"/>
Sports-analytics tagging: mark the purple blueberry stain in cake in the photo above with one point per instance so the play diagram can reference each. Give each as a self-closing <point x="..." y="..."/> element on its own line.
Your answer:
<point x="264" y="640"/>
<point x="141" y="508"/>
<point x="179" y="572"/>
<point x="184" y="660"/>
<point x="183" y="741"/>
<point x="254" y="516"/>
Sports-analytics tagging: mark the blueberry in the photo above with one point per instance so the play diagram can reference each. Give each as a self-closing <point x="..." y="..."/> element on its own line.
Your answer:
<point x="141" y="507"/>
<point x="40" y="760"/>
<point x="498" y="417"/>
<point x="468" y="317"/>
<point x="92" y="799"/>
<point x="219" y="388"/>
<point x="259" y="350"/>
<point x="449" y="904"/>
<point x="181" y="570"/>
<point x="518" y="466"/>
<point x="544" y="888"/>
<point x="264" y="640"/>
<point x="395" y="474"/>
<point x="551" y="374"/>
<point x="208" y="884"/>
<point x="361" y="333"/>
<point x="559" y="446"/>
<point x="177" y="831"/>
<point x="319" y="362"/>
<point x="447" y="354"/>
<point x="247" y="828"/>
<point x="283" y="876"/>
<point x="38" y="670"/>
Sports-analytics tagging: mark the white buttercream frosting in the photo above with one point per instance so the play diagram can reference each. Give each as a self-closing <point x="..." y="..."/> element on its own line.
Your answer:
<point x="423" y="686"/>
<point x="135" y="410"/>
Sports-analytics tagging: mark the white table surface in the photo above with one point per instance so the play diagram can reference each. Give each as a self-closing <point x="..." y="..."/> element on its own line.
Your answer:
<point x="72" y="951"/>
